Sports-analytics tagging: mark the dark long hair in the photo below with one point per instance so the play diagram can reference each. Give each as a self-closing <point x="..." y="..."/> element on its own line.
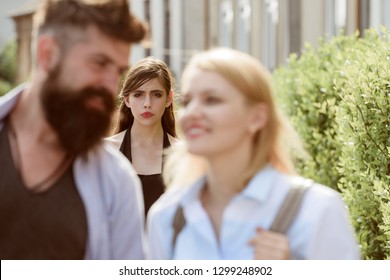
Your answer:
<point x="143" y="71"/>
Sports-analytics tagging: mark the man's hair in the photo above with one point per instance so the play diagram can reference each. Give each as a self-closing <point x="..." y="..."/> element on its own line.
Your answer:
<point x="111" y="17"/>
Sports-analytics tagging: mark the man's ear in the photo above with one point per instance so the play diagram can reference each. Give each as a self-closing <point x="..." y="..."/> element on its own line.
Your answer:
<point x="171" y="95"/>
<point x="259" y="117"/>
<point x="48" y="52"/>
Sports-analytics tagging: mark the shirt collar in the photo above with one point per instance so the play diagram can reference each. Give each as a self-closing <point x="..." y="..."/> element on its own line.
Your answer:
<point x="192" y="193"/>
<point x="8" y="101"/>
<point x="258" y="188"/>
<point x="261" y="185"/>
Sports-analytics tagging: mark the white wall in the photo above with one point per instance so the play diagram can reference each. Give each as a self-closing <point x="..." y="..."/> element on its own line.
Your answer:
<point x="313" y="21"/>
<point x="176" y="37"/>
<point x="137" y="51"/>
<point x="157" y="27"/>
<point x="7" y="27"/>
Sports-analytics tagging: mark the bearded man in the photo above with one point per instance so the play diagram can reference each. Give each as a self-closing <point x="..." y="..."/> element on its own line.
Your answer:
<point x="63" y="193"/>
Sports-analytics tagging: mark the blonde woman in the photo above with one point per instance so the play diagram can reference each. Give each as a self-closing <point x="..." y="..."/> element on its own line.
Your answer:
<point x="232" y="175"/>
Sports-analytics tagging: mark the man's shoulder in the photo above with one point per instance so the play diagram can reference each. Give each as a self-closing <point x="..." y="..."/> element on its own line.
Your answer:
<point x="8" y="100"/>
<point x="105" y="157"/>
<point x="108" y="170"/>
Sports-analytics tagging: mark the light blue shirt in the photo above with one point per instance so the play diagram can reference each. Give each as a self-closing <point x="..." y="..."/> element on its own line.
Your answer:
<point x="321" y="229"/>
<point x="111" y="192"/>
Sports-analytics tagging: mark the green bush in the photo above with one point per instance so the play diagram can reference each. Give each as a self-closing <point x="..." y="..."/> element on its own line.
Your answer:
<point x="7" y="67"/>
<point x="338" y="98"/>
<point x="305" y="88"/>
<point x="364" y="118"/>
<point x="5" y="87"/>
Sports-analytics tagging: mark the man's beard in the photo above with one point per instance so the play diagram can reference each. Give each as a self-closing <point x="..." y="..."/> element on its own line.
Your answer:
<point x="78" y="127"/>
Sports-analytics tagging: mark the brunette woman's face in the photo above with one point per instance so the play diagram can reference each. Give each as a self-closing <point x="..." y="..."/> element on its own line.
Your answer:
<point x="215" y="116"/>
<point x="148" y="102"/>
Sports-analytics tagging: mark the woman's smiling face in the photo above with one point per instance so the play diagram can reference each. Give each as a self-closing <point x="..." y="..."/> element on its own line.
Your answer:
<point x="215" y="117"/>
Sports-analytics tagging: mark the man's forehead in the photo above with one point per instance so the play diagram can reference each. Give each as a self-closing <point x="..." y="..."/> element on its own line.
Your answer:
<point x="117" y="50"/>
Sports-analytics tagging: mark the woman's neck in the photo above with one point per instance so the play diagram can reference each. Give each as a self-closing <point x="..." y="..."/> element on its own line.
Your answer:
<point x="146" y="134"/>
<point x="224" y="173"/>
<point x="223" y="183"/>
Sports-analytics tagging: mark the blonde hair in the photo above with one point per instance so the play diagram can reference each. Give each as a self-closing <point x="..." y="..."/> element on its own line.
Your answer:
<point x="254" y="82"/>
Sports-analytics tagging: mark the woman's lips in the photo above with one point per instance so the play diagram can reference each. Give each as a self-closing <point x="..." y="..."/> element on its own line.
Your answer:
<point x="194" y="131"/>
<point x="147" y="115"/>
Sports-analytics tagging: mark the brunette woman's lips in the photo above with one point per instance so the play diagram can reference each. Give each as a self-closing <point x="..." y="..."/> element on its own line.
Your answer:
<point x="147" y="115"/>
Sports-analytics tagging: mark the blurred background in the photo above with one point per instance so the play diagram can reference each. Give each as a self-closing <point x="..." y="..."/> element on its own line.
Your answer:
<point x="268" y="29"/>
<point x="334" y="88"/>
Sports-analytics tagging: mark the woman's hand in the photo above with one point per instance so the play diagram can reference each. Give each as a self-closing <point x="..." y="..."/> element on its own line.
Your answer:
<point x="270" y="245"/>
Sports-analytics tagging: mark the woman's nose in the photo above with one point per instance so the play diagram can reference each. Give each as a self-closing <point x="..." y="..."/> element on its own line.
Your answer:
<point x="147" y="102"/>
<point x="193" y="109"/>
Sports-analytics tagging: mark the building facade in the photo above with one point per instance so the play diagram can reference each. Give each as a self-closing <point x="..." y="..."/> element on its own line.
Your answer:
<point x="268" y="29"/>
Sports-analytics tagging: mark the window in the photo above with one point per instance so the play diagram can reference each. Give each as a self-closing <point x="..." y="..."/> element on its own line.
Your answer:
<point x="226" y="23"/>
<point x="270" y="22"/>
<point x="335" y="16"/>
<point x="244" y="11"/>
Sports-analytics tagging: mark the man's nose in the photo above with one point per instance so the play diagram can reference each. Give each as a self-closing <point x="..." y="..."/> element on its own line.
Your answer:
<point x="111" y="82"/>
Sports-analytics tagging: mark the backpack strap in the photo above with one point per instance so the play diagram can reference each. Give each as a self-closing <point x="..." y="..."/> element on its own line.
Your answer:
<point x="178" y="223"/>
<point x="281" y="223"/>
<point x="289" y="207"/>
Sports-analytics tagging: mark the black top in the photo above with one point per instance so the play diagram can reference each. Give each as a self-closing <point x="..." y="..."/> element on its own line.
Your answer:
<point x="152" y="185"/>
<point x="45" y="225"/>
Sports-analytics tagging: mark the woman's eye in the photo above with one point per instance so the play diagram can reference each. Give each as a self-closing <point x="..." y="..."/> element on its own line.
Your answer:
<point x="184" y="102"/>
<point x="159" y="94"/>
<point x="212" y="100"/>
